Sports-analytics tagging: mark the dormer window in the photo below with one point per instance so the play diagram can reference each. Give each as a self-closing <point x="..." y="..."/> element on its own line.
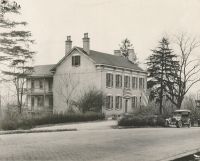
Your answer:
<point x="76" y="60"/>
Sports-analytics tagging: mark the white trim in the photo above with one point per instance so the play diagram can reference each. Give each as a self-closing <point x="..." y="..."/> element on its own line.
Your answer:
<point x="123" y="68"/>
<point x="118" y="95"/>
<point x="109" y="94"/>
<point x="76" y="54"/>
<point x="110" y="72"/>
<point x="126" y="74"/>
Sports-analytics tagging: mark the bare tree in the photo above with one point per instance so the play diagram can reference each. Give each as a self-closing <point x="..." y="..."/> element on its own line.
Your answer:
<point x="15" y="49"/>
<point x="65" y="89"/>
<point x="188" y="72"/>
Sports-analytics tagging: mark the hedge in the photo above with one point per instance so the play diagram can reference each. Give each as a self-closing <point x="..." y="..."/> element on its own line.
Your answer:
<point x="22" y="122"/>
<point x="142" y="121"/>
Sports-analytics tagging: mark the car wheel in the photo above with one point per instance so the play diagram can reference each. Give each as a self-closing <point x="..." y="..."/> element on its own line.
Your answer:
<point x="189" y="125"/>
<point x="179" y="124"/>
<point x="166" y="124"/>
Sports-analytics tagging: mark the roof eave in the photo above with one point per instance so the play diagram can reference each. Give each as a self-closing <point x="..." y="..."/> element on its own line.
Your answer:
<point x="141" y="71"/>
<point x="39" y="76"/>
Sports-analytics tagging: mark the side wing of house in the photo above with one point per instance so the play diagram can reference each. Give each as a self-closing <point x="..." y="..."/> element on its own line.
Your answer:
<point x="125" y="90"/>
<point x="39" y="95"/>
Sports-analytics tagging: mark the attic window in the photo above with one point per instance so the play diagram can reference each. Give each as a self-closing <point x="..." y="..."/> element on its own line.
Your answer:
<point x="76" y="60"/>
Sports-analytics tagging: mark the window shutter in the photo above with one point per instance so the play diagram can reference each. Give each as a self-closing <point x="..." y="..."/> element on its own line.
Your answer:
<point x="72" y="60"/>
<point x="136" y="102"/>
<point x="128" y="81"/>
<point x="136" y="83"/>
<point x="124" y="81"/>
<point x="79" y="60"/>
<point x="120" y="80"/>
<point x="116" y="103"/>
<point x="111" y="75"/>
<point x="120" y="103"/>
<point x="116" y="80"/>
<point x="111" y="102"/>
<point x="107" y="102"/>
<point x="107" y="80"/>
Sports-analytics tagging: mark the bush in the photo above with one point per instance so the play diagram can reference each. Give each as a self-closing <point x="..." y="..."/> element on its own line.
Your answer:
<point x="91" y="100"/>
<point x="14" y="120"/>
<point x="142" y="121"/>
<point x="23" y="122"/>
<point x="8" y="125"/>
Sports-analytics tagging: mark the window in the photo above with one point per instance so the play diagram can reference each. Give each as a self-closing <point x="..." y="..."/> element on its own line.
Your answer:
<point x="76" y="60"/>
<point x="40" y="101"/>
<point x="41" y="84"/>
<point x="118" y="81"/>
<point x="118" y="102"/>
<point x="141" y="83"/>
<point x="109" y="102"/>
<point x="32" y="101"/>
<point x="50" y="83"/>
<point x="50" y="101"/>
<point x="32" y="84"/>
<point x="134" y="102"/>
<point x="126" y="82"/>
<point x="134" y="82"/>
<point x="109" y="80"/>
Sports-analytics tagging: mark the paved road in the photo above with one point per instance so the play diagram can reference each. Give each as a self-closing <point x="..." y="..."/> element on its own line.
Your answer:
<point x="141" y="144"/>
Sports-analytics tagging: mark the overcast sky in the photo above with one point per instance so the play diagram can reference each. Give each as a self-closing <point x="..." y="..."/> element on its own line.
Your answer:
<point x="144" y="22"/>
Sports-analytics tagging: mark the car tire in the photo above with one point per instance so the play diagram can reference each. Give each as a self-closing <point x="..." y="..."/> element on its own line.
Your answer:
<point x="166" y="124"/>
<point x="179" y="124"/>
<point x="189" y="125"/>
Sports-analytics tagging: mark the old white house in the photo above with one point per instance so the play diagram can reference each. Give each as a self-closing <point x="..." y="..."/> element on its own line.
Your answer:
<point x="81" y="69"/>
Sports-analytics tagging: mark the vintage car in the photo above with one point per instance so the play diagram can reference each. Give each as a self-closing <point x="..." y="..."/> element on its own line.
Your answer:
<point x="179" y="118"/>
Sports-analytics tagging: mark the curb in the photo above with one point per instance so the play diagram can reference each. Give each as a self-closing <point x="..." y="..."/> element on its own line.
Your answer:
<point x="34" y="131"/>
<point x="180" y="155"/>
<point x="69" y="123"/>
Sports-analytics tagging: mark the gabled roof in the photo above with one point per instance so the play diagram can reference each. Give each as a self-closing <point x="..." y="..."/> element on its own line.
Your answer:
<point x="112" y="60"/>
<point x="42" y="71"/>
<point x="106" y="59"/>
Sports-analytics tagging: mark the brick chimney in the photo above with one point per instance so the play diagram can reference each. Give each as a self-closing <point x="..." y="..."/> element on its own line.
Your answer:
<point x="86" y="43"/>
<point x="117" y="52"/>
<point x="68" y="44"/>
<point x="132" y="56"/>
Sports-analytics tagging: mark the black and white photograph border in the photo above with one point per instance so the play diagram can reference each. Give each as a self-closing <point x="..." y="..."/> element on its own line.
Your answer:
<point x="99" y="80"/>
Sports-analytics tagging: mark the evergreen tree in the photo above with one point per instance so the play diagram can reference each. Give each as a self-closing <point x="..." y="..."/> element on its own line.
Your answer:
<point x="161" y="65"/>
<point x="125" y="48"/>
<point x="15" y="49"/>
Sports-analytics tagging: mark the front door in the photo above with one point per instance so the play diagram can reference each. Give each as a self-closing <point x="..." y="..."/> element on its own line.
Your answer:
<point x="126" y="105"/>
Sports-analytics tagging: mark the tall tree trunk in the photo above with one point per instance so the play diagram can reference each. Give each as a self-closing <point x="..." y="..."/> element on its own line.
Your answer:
<point x="161" y="86"/>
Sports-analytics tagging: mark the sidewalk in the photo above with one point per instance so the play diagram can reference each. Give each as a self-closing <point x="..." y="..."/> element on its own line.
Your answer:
<point x="95" y="125"/>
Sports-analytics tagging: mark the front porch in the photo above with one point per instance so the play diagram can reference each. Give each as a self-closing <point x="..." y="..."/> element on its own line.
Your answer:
<point x="40" y="103"/>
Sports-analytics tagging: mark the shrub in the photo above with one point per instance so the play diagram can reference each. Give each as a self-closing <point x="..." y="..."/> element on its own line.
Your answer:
<point x="24" y="122"/>
<point x="16" y="122"/>
<point x="8" y="125"/>
<point x="142" y="121"/>
<point x="91" y="100"/>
